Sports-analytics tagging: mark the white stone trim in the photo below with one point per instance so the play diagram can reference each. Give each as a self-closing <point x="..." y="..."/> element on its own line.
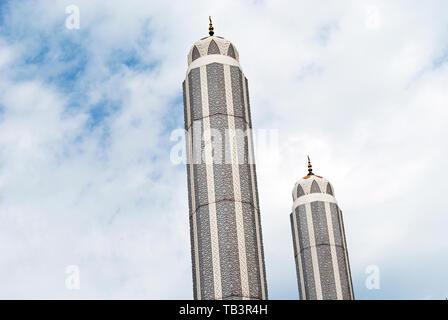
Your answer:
<point x="187" y="101"/>
<point x="299" y="255"/>
<point x="313" y="197"/>
<point x="236" y="186"/>
<point x="334" y="258"/>
<point x="312" y="239"/>
<point x="347" y="266"/>
<point x="202" y="61"/>
<point x="210" y="186"/>
<point x="250" y="146"/>
<point x="254" y="194"/>
<point x="193" y="203"/>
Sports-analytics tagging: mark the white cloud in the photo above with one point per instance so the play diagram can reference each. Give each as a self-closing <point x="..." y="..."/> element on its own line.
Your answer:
<point x="367" y="103"/>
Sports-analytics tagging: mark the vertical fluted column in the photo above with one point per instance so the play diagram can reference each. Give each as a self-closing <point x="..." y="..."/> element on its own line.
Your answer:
<point x="227" y="251"/>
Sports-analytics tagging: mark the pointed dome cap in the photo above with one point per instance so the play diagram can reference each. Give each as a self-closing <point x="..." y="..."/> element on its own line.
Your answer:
<point x="212" y="45"/>
<point x="311" y="183"/>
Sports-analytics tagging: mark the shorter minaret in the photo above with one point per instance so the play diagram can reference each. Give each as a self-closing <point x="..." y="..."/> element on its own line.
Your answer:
<point x="320" y="248"/>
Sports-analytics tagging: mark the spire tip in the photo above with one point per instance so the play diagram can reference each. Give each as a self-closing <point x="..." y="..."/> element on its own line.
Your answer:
<point x="310" y="167"/>
<point x="210" y="28"/>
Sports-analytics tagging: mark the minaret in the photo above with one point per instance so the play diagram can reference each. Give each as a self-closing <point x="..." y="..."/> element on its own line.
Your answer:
<point x="225" y="228"/>
<point x="320" y="249"/>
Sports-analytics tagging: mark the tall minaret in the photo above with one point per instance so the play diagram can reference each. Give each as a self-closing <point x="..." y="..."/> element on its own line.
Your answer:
<point x="226" y="242"/>
<point x="320" y="249"/>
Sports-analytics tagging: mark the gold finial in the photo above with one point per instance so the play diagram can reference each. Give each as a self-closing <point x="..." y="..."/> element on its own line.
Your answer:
<point x="210" y="28"/>
<point x="310" y="167"/>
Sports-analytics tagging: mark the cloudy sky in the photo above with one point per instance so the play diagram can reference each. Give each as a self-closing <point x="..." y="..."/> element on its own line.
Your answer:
<point x="86" y="117"/>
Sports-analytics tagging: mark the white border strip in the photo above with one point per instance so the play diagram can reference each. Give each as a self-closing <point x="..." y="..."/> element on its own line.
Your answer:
<point x="192" y="195"/>
<point x="310" y="223"/>
<point x="254" y="186"/>
<point x="334" y="258"/>
<point x="299" y="255"/>
<point x="313" y="197"/>
<point x="204" y="60"/>
<point x="236" y="186"/>
<point x="210" y="186"/>
<point x="347" y="266"/>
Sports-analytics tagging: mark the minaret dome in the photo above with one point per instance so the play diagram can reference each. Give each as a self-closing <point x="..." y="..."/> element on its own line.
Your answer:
<point x="212" y="44"/>
<point x="311" y="183"/>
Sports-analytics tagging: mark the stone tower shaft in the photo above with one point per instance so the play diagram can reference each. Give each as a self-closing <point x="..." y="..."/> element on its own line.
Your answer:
<point x="225" y="227"/>
<point x="320" y="248"/>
